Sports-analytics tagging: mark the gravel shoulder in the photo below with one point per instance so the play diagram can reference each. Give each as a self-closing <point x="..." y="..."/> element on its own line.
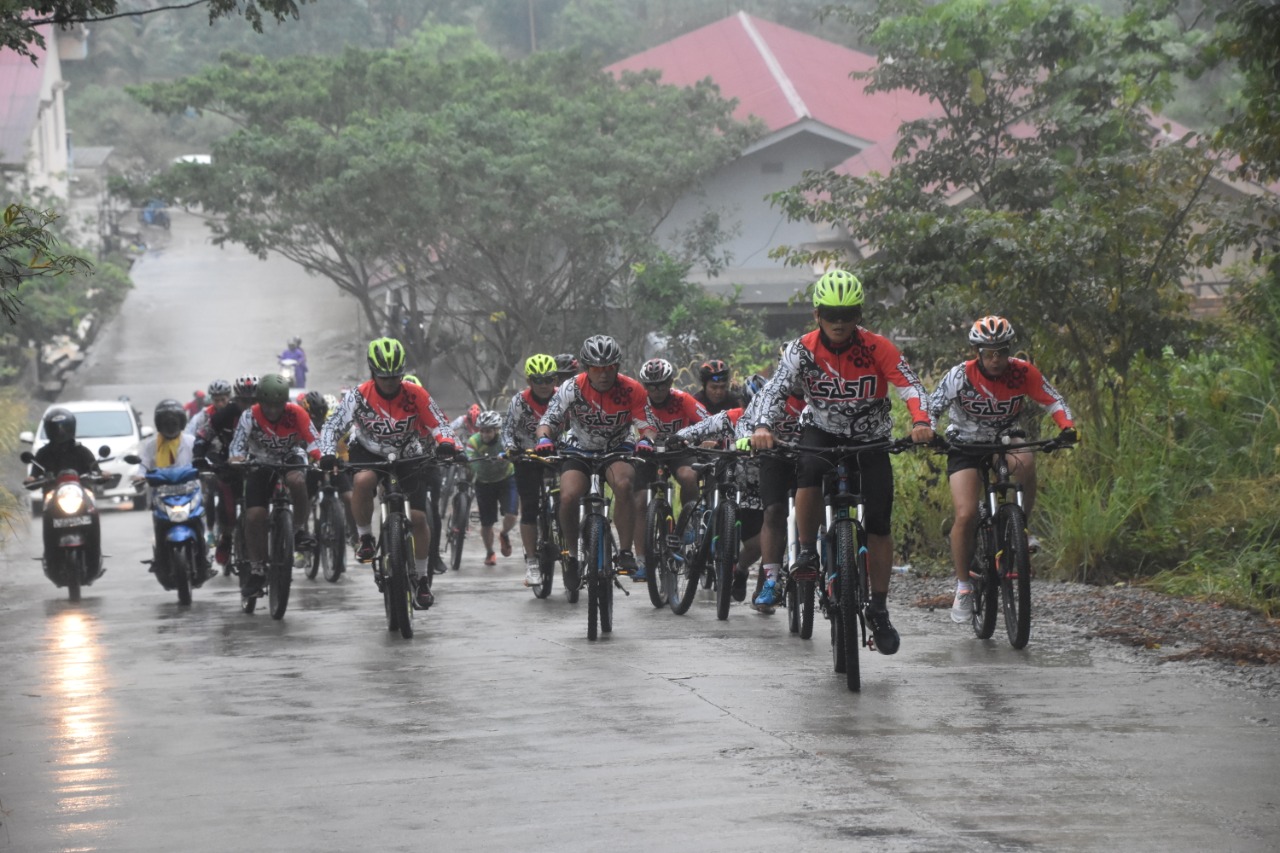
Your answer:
<point x="1220" y="642"/>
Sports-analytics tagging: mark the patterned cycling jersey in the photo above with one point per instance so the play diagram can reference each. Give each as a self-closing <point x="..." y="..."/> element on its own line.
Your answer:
<point x="384" y="425"/>
<point x="213" y="437"/>
<point x="673" y="414"/>
<point x="283" y="441"/>
<point x="846" y="392"/>
<point x="521" y="423"/>
<point x="598" y="421"/>
<point x="786" y="430"/>
<point x="198" y="420"/>
<point x="980" y="407"/>
<point x="723" y="428"/>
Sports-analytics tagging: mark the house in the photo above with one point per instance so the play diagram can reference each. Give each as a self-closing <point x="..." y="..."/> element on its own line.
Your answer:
<point x="34" y="146"/>
<point x="816" y="117"/>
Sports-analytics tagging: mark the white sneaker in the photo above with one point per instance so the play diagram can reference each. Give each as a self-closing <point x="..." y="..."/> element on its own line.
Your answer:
<point x="962" y="608"/>
<point x="532" y="574"/>
<point x="1033" y="544"/>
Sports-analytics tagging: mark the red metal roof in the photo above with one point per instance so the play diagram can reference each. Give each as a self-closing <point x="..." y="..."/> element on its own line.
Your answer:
<point x="781" y="76"/>
<point x="20" y="81"/>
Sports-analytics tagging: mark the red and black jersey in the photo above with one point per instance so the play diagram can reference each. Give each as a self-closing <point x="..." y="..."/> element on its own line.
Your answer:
<point x="521" y="424"/>
<point x="279" y="441"/>
<point x="599" y="420"/>
<point x="846" y="391"/>
<point x="678" y="411"/>
<point x="979" y="407"/>
<point x="409" y="423"/>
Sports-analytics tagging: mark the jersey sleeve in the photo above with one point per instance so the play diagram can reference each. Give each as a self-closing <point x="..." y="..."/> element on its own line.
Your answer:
<point x="240" y="441"/>
<point x="338" y="423"/>
<point x="910" y="390"/>
<point x="1040" y="390"/>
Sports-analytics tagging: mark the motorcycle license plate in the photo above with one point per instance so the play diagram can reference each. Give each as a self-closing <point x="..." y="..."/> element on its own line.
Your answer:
<point x="73" y="521"/>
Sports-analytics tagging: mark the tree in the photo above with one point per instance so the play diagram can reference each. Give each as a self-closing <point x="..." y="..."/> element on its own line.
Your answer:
<point x="1042" y="188"/>
<point x="20" y="22"/>
<point x="506" y="199"/>
<point x="28" y="251"/>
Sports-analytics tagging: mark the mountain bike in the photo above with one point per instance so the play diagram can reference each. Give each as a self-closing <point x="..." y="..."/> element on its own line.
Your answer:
<point x="280" y="553"/>
<point x="329" y="515"/>
<point x="844" y="582"/>
<point x="458" y="489"/>
<point x="393" y="560"/>
<point x="549" y="546"/>
<point x="709" y="536"/>
<point x="1001" y="566"/>
<point x="661" y="544"/>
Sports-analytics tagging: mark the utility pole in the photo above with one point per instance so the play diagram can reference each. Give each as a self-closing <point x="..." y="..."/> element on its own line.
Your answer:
<point x="533" y="29"/>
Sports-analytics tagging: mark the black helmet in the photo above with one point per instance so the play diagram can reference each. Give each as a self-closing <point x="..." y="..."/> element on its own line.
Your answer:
<point x="316" y="405"/>
<point x="170" y="418"/>
<point x="60" y="426"/>
<point x="600" y="351"/>
<point x="567" y="365"/>
<point x="713" y="370"/>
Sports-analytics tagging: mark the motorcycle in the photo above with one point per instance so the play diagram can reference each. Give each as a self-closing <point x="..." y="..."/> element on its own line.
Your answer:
<point x="72" y="534"/>
<point x="179" y="552"/>
<point x="289" y="370"/>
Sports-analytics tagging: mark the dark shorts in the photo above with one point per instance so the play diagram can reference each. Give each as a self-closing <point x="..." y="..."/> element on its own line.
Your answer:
<point x="957" y="461"/>
<point x="414" y="485"/>
<point x="646" y="471"/>
<point x="874" y="469"/>
<point x="492" y="496"/>
<point x="573" y="464"/>
<point x="529" y="476"/>
<point x="750" y="521"/>
<point x="257" y="486"/>
<point x="777" y="480"/>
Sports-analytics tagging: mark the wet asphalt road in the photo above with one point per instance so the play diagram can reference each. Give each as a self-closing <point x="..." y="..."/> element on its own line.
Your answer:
<point x="129" y="723"/>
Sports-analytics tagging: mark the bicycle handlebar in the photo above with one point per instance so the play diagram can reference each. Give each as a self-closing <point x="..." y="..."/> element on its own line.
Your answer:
<point x="1047" y="445"/>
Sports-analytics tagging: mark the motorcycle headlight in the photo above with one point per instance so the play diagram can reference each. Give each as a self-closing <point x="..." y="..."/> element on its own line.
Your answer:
<point x="70" y="499"/>
<point x="179" y="512"/>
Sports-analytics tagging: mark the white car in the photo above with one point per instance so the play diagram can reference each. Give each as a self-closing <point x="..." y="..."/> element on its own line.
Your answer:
<point x="113" y="423"/>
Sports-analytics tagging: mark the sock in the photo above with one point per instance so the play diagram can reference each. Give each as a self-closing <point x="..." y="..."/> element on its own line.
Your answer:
<point x="424" y="565"/>
<point x="964" y="586"/>
<point x="880" y="600"/>
<point x="771" y="570"/>
<point x="365" y="530"/>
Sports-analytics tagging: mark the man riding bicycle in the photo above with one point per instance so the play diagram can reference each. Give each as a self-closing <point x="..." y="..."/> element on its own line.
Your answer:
<point x="213" y="440"/>
<point x="386" y="415"/>
<point x="983" y="398"/>
<point x="275" y="431"/>
<point x="843" y="372"/>
<point x="597" y="412"/>
<point x="519" y="433"/>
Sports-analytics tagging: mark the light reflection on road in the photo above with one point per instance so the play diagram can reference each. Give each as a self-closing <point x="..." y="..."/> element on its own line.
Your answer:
<point x="84" y="783"/>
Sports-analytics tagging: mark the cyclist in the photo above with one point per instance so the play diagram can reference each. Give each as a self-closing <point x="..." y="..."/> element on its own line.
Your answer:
<point x="219" y="396"/>
<point x="195" y="404"/>
<point x="438" y="495"/>
<point x="673" y="410"/>
<point x="777" y="480"/>
<point x="982" y="398"/>
<point x="597" y="412"/>
<point x="716" y="396"/>
<point x="567" y="367"/>
<point x="387" y="415"/>
<point x="519" y="433"/>
<point x="843" y="372"/>
<point x="317" y="409"/>
<point x="272" y="430"/>
<point x="495" y="484"/>
<point x="721" y="429"/>
<point x="464" y="426"/>
<point x="213" y="439"/>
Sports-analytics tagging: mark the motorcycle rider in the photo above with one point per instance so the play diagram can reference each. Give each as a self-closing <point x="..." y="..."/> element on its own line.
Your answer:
<point x="171" y="446"/>
<point x="63" y="453"/>
<point x="295" y="352"/>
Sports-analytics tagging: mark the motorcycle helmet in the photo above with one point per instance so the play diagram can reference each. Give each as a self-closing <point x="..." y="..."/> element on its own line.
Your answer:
<point x="991" y="331"/>
<point x="295" y="343"/>
<point x="600" y="351"/>
<point x="247" y="386"/>
<point x="386" y="358"/>
<point x="489" y="420"/>
<point x="713" y="370"/>
<point x="170" y="418"/>
<point x="60" y="426"/>
<point x="273" y="389"/>
<point x="656" y="370"/>
<point x="219" y="387"/>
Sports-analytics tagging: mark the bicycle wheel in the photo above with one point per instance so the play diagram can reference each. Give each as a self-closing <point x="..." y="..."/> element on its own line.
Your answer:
<point x="791" y="596"/>
<point x="595" y="547"/>
<point x="180" y="571"/>
<point x="399" y="592"/>
<point x="240" y="560"/>
<point x="280" y="562"/>
<point x="332" y="538"/>
<point x="658" y="526"/>
<point x="547" y="552"/>
<point x="986" y="584"/>
<point x="688" y="566"/>
<point x="852" y="561"/>
<point x="458" y="510"/>
<point x="725" y="550"/>
<point x="1015" y="574"/>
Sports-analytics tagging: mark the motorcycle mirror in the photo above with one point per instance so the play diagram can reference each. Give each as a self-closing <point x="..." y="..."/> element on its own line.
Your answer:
<point x="104" y="451"/>
<point x="27" y="456"/>
<point x="133" y="459"/>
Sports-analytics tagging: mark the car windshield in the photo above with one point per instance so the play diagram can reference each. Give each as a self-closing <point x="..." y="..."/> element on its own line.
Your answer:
<point x="108" y="424"/>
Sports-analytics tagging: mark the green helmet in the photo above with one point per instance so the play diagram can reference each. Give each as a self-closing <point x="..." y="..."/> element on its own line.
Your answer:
<point x="541" y="365"/>
<point x="273" y="388"/>
<point x="386" y="357"/>
<point x="837" y="289"/>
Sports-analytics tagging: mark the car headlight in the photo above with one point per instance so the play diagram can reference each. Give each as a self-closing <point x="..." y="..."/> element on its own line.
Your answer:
<point x="69" y="498"/>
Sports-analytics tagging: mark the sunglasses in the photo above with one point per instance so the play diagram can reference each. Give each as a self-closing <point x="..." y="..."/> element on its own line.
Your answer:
<point x="543" y="379"/>
<point x="839" y="315"/>
<point x="993" y="350"/>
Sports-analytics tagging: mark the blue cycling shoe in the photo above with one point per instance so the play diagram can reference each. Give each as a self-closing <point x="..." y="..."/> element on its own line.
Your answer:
<point x="770" y="595"/>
